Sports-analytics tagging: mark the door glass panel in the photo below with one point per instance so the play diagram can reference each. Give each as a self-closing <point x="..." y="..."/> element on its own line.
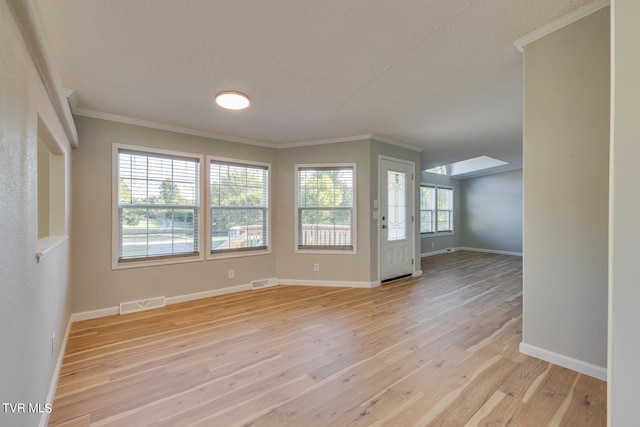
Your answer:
<point x="397" y="205"/>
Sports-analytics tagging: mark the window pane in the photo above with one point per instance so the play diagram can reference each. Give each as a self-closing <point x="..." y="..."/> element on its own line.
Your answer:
<point x="445" y="198"/>
<point x="426" y="222"/>
<point x="325" y="187"/>
<point x="444" y="221"/>
<point x="157" y="180"/>
<point x="156" y="232"/>
<point x="238" y="229"/>
<point x="427" y="209"/>
<point x="325" y="228"/>
<point x="239" y="206"/>
<point x="397" y="206"/>
<point x="158" y="205"/>
<point x="445" y="209"/>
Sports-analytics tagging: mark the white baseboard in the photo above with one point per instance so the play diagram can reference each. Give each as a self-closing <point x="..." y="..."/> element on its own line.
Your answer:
<point x="417" y="273"/>
<point x="565" y="361"/>
<point x="94" y="314"/>
<point x="207" y="294"/>
<point x="44" y="419"/>
<point x="489" y="251"/>
<point x="334" y="284"/>
<point x="463" y="248"/>
<point x="432" y="253"/>
<point x="103" y="312"/>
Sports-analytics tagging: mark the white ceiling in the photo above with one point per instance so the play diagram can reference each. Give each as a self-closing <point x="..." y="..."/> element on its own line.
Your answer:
<point x="439" y="74"/>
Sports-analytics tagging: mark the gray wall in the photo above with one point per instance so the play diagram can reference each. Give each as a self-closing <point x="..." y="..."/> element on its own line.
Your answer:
<point x="95" y="284"/>
<point x="624" y="285"/>
<point x="566" y="159"/>
<point x="98" y="286"/>
<point x="333" y="267"/>
<point x="491" y="211"/>
<point x="35" y="297"/>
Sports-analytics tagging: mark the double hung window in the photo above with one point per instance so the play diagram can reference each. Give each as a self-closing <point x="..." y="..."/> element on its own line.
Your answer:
<point x="445" y="210"/>
<point x="427" y="209"/>
<point x="239" y="206"/>
<point x="325" y="207"/>
<point x="436" y="209"/>
<point x="158" y="204"/>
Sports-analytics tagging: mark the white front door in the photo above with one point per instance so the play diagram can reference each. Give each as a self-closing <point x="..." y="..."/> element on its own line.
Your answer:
<point x="396" y="222"/>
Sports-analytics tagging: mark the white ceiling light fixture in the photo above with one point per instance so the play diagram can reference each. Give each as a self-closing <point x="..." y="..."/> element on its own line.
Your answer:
<point x="232" y="100"/>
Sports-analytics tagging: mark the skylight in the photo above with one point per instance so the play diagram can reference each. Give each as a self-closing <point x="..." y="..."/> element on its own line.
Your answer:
<point x="474" y="165"/>
<point x="440" y="170"/>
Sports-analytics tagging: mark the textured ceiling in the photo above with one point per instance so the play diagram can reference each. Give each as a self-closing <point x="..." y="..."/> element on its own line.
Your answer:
<point x="439" y="74"/>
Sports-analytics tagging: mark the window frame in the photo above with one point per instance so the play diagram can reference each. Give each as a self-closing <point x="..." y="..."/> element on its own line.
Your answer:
<point x="438" y="210"/>
<point x="354" y="226"/>
<point x="116" y="263"/>
<point x="235" y="253"/>
<point x="434" y="210"/>
<point x="436" y="231"/>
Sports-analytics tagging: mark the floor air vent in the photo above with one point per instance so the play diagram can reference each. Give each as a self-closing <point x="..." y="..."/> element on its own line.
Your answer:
<point x="263" y="283"/>
<point x="141" y="305"/>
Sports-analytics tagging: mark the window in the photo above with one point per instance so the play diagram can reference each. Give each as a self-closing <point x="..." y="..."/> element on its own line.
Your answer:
<point x="445" y="210"/>
<point x="427" y="209"/>
<point x="326" y="207"/>
<point x="436" y="209"/>
<point x="239" y="206"/>
<point x="158" y="205"/>
<point x="438" y="170"/>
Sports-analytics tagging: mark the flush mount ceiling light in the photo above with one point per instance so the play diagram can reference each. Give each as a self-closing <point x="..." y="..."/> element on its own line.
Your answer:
<point x="232" y="100"/>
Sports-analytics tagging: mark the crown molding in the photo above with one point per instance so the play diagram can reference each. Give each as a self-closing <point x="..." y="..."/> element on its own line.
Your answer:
<point x="188" y="131"/>
<point x="170" y="128"/>
<point x="561" y="22"/>
<point x="29" y="21"/>
<point x="325" y="141"/>
<point x="396" y="143"/>
<point x="352" y="138"/>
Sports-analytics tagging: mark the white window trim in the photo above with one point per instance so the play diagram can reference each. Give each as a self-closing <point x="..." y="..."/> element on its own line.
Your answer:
<point x="437" y="232"/>
<point x="446" y="232"/>
<point x="353" y="251"/>
<point x="115" y="178"/>
<point x="207" y="215"/>
<point x="435" y="212"/>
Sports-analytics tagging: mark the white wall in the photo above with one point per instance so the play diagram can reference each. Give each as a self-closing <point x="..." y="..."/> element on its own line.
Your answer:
<point x="624" y="281"/>
<point x="35" y="297"/>
<point x="566" y="149"/>
<point x="491" y="212"/>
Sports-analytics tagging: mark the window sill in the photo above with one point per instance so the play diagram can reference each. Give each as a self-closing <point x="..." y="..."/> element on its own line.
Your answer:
<point x="438" y="234"/>
<point x="142" y="263"/>
<point x="48" y="244"/>
<point x="326" y="251"/>
<point x="222" y="255"/>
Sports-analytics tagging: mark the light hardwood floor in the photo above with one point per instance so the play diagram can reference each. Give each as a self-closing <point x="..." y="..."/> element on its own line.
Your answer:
<point x="438" y="350"/>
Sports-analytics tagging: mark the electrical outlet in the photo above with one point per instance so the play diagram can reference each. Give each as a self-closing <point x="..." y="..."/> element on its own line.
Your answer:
<point x="232" y="274"/>
<point x="53" y="345"/>
<point x="316" y="267"/>
<point x="433" y="245"/>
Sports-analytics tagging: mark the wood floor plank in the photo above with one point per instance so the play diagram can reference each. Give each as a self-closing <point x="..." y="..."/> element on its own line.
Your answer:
<point x="439" y="349"/>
